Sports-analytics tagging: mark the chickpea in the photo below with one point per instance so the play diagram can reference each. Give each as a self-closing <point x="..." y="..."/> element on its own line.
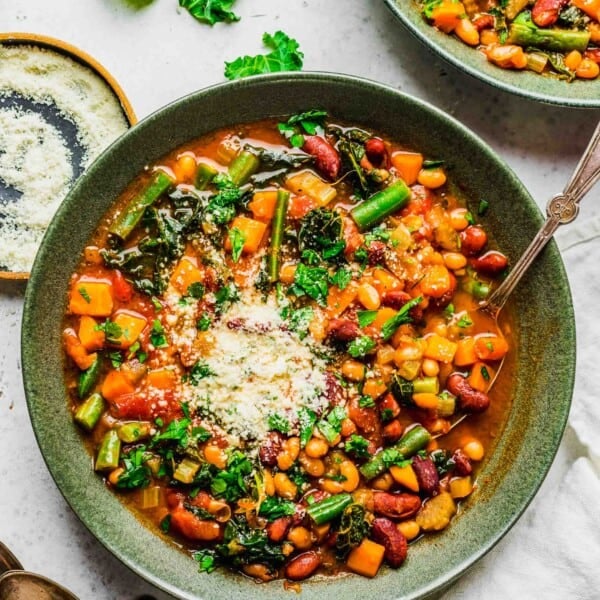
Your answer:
<point x="300" y="537"/>
<point x="284" y="486"/>
<point x="185" y="168"/>
<point x="353" y="370"/>
<point x="269" y="483"/>
<point x="369" y="297"/>
<point x="316" y="447"/>
<point x="114" y="475"/>
<point x="455" y="260"/>
<point x="289" y="453"/>
<point x="409" y="529"/>
<point x="331" y="486"/>
<point x="287" y="273"/>
<point x="432" y="178"/>
<point x="259" y="571"/>
<point x="573" y="60"/>
<point x="315" y="467"/>
<point x="467" y="32"/>
<point x="430" y="367"/>
<point x="458" y="219"/>
<point x="587" y="69"/>
<point x="352" y="477"/>
<point x="383" y="483"/>
<point x="474" y="449"/>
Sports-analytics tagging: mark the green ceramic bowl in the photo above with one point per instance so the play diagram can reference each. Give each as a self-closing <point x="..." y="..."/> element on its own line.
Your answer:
<point x="540" y="389"/>
<point x="578" y="93"/>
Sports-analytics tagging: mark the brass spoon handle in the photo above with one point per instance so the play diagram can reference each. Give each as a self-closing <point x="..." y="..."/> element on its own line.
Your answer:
<point x="561" y="209"/>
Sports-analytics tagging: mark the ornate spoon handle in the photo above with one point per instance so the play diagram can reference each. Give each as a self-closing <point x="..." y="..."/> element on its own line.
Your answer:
<point x="561" y="209"/>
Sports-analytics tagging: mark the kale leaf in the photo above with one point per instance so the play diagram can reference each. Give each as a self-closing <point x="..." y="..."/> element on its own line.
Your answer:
<point x="210" y="11"/>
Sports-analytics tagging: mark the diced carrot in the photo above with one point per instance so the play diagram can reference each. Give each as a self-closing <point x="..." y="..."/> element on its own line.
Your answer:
<point x="590" y="7"/>
<point x="408" y="165"/>
<point x="436" y="281"/>
<point x="465" y="352"/>
<point x="252" y="231"/>
<point x="76" y="350"/>
<point x="446" y="15"/>
<point x="461" y="487"/>
<point x="131" y="324"/>
<point x="116" y="384"/>
<point x="306" y="182"/>
<point x="490" y="347"/>
<point x="405" y="476"/>
<point x="480" y="377"/>
<point x="339" y="300"/>
<point x="383" y="315"/>
<point x="185" y="274"/>
<point x="366" y="558"/>
<point x="90" y="337"/>
<point x="263" y="204"/>
<point x="162" y="379"/>
<point x="91" y="297"/>
<point x="439" y="348"/>
<point x="374" y="387"/>
<point x="425" y="400"/>
<point x="384" y="281"/>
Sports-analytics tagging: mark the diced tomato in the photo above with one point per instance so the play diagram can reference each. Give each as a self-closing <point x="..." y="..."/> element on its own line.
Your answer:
<point x="146" y="406"/>
<point x="300" y="205"/>
<point x="419" y="203"/>
<point x="122" y="289"/>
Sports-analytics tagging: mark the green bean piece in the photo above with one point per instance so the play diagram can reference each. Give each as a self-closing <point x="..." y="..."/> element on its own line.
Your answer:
<point x="204" y="175"/>
<point x="134" y="431"/>
<point x="328" y="509"/>
<point x="556" y="40"/>
<point x="410" y="443"/>
<point x="89" y="412"/>
<point x="277" y="231"/>
<point x="132" y="214"/>
<point x="381" y="204"/>
<point x="242" y="167"/>
<point x="109" y="452"/>
<point x="426" y="385"/>
<point x="88" y="378"/>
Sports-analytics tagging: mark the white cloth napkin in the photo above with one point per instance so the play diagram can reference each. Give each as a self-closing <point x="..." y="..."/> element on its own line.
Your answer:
<point x="553" y="552"/>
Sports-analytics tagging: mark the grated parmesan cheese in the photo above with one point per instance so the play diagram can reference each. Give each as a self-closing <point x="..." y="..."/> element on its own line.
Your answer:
<point x="36" y="162"/>
<point x="260" y="369"/>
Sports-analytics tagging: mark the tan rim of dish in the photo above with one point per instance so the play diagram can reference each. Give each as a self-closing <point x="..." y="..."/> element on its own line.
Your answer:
<point x="82" y="58"/>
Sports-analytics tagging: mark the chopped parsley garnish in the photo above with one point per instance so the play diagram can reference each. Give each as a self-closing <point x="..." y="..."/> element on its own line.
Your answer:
<point x="116" y="359"/>
<point x="136" y="473"/>
<point x="156" y="303"/>
<point x="204" y="322"/>
<point x="483" y="207"/>
<point x="366" y="317"/>
<point x="176" y="431"/>
<point x="311" y="122"/>
<point x="285" y="55"/>
<point x="229" y="483"/>
<point x="165" y="523"/>
<point x="366" y="402"/>
<point x="361" y="346"/>
<point x="387" y="414"/>
<point x="84" y="294"/>
<point x="237" y="240"/>
<point x="200" y="434"/>
<point x="470" y="218"/>
<point x="392" y="457"/>
<point x="331" y="425"/>
<point x="341" y="278"/>
<point x="201" y="370"/>
<point x="206" y="560"/>
<point x="195" y="290"/>
<point x="210" y="11"/>
<point x="111" y="330"/>
<point x="306" y="422"/>
<point x="226" y="295"/>
<point x="401" y="317"/>
<point x="311" y="281"/>
<point x="278" y="423"/>
<point x="357" y="445"/>
<point x="485" y="373"/>
<point x="157" y="335"/>
<point x="299" y="320"/>
<point x="464" y="321"/>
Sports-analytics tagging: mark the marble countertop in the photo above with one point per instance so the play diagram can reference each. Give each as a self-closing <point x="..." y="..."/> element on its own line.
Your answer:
<point x="541" y="143"/>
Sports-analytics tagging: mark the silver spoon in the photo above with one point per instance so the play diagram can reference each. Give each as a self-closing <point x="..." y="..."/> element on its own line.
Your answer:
<point x="561" y="209"/>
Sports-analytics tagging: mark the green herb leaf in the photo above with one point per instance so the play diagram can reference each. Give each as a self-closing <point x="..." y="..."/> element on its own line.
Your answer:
<point x="227" y="294"/>
<point x="273" y="508"/>
<point x="483" y="206"/>
<point x="116" y="359"/>
<point x="311" y="281"/>
<point x="341" y="278"/>
<point x="300" y="319"/>
<point x="204" y="322"/>
<point x="366" y="317"/>
<point x="201" y="370"/>
<point x="210" y="11"/>
<point x="157" y="335"/>
<point x="306" y="423"/>
<point x="230" y="483"/>
<point x="176" y="431"/>
<point x="366" y="402"/>
<point x="83" y="293"/>
<point x="401" y="317"/>
<point x="237" y="239"/>
<point x="361" y="346"/>
<point x="331" y="426"/>
<point x="357" y="445"/>
<point x="464" y="321"/>
<point x="195" y="290"/>
<point x="136" y="473"/>
<point x="391" y="457"/>
<point x="285" y="56"/>
<point x="278" y="423"/>
<point x="111" y="330"/>
<point x="206" y="560"/>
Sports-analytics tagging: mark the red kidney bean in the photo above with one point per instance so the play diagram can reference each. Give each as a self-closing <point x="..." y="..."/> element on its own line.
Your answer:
<point x="277" y="529"/>
<point x="392" y="431"/>
<point x="469" y="399"/>
<point x="270" y="449"/>
<point x="302" y="566"/>
<point x="390" y="406"/>
<point x="427" y="475"/>
<point x="592" y="54"/>
<point x="385" y="533"/>
<point x="490" y="263"/>
<point x="472" y="240"/>
<point x="327" y="159"/>
<point x="396" y="506"/>
<point x="376" y="253"/>
<point x="395" y="299"/>
<point x="376" y="151"/>
<point x="545" y="12"/>
<point x="462" y="463"/>
<point x="342" y="330"/>
<point x="484" y="22"/>
<point x="446" y="297"/>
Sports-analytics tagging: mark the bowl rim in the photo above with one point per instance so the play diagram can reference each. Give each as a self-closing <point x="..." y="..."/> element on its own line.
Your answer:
<point x="36" y="284"/>
<point x="447" y="47"/>
<point x="84" y="59"/>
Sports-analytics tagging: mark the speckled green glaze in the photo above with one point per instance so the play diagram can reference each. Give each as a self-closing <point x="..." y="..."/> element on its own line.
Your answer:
<point x="578" y="93"/>
<point x="541" y="376"/>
